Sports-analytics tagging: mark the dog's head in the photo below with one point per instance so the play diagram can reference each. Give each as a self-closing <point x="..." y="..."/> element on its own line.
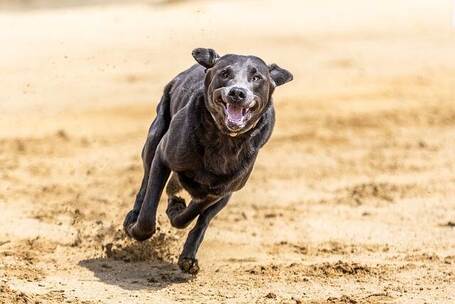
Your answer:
<point x="238" y="88"/>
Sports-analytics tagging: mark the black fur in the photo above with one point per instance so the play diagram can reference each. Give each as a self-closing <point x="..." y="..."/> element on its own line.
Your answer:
<point x="211" y="122"/>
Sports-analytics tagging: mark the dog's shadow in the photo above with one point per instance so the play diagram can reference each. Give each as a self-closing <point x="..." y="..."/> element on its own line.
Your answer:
<point x="134" y="266"/>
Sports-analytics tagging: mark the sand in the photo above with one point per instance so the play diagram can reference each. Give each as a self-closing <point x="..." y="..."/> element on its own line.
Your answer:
<point x="352" y="200"/>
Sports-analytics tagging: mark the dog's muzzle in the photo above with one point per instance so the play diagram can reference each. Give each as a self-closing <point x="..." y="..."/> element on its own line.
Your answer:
<point x="238" y="107"/>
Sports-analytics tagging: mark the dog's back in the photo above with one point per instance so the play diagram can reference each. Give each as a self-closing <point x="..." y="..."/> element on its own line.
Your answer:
<point x="185" y="86"/>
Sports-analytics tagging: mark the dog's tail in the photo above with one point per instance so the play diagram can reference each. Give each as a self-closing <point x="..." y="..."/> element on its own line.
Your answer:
<point x="163" y="109"/>
<point x="158" y="128"/>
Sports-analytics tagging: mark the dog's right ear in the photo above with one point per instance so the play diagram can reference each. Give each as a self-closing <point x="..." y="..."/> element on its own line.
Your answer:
<point x="205" y="57"/>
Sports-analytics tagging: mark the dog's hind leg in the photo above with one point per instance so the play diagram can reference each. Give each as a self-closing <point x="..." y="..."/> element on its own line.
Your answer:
<point x="157" y="130"/>
<point x="173" y="186"/>
<point x="176" y="204"/>
<point x="187" y="260"/>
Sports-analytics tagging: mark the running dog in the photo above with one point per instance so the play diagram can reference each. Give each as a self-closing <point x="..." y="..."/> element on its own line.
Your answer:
<point x="211" y="122"/>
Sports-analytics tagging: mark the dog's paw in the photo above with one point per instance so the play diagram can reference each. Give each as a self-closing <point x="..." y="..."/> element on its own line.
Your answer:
<point x="130" y="219"/>
<point x="138" y="234"/>
<point x="189" y="265"/>
<point x="133" y="231"/>
<point x="174" y="207"/>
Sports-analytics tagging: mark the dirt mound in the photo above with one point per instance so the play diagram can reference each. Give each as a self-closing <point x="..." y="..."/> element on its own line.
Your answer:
<point x="374" y="193"/>
<point x="341" y="268"/>
<point x="7" y="296"/>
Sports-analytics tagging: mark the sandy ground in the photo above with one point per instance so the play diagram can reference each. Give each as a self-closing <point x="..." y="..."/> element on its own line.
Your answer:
<point x="352" y="201"/>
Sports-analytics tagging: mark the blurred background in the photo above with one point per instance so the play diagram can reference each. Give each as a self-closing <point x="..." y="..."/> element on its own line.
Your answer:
<point x="350" y="202"/>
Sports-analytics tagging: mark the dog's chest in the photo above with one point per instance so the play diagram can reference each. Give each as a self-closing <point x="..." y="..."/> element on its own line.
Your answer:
<point x="226" y="158"/>
<point x="224" y="168"/>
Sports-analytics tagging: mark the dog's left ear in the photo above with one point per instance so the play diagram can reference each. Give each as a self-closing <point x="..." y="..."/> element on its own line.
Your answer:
<point x="279" y="76"/>
<point x="205" y="57"/>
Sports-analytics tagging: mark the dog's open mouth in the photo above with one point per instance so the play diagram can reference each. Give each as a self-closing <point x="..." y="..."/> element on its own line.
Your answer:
<point x="237" y="115"/>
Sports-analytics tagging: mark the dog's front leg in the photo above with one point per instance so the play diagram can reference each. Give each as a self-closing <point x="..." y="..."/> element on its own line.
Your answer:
<point x="144" y="227"/>
<point x="181" y="216"/>
<point x="187" y="260"/>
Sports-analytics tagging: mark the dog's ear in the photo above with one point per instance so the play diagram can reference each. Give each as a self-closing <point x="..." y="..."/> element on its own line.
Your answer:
<point x="279" y="75"/>
<point x="205" y="57"/>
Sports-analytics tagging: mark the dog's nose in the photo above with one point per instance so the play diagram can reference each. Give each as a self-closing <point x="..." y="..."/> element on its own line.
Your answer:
<point x="237" y="94"/>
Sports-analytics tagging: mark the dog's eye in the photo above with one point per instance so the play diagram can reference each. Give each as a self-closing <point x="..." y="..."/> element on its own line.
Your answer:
<point x="225" y="74"/>
<point x="257" y="78"/>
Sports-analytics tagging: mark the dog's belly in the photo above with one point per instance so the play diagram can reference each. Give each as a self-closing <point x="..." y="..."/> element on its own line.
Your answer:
<point x="200" y="184"/>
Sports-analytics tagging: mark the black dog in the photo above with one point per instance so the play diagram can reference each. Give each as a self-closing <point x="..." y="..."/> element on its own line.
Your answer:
<point x="211" y="122"/>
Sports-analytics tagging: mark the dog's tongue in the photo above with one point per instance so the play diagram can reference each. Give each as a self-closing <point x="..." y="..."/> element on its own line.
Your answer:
<point x="234" y="112"/>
